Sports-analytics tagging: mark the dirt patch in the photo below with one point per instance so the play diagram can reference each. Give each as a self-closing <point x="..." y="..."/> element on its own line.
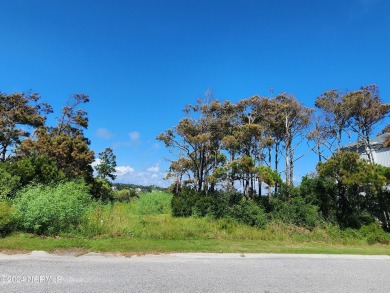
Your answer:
<point x="14" y="251"/>
<point x="70" y="252"/>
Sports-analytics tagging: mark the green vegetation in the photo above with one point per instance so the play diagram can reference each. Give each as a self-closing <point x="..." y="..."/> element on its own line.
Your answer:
<point x="51" y="210"/>
<point x="124" y="227"/>
<point x="50" y="199"/>
<point x="6" y="216"/>
<point x="221" y="146"/>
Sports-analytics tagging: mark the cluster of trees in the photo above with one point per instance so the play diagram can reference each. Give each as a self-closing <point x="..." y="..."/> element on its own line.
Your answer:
<point x="224" y="145"/>
<point x="33" y="152"/>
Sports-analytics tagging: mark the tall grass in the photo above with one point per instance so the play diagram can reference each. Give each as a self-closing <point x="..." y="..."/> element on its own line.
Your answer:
<point x="149" y="218"/>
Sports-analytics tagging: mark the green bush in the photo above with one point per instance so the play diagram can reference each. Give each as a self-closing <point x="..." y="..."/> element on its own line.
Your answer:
<point x="154" y="203"/>
<point x="101" y="189"/>
<point x="218" y="205"/>
<point x="375" y="234"/>
<point x="296" y="212"/>
<point x="203" y="206"/>
<point x="8" y="184"/>
<point x="222" y="204"/>
<point x="50" y="210"/>
<point x="249" y="213"/>
<point x="124" y="195"/>
<point x="183" y="203"/>
<point x="6" y="216"/>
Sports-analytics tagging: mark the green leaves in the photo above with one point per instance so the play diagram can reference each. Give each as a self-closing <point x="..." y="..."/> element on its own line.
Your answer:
<point x="50" y="210"/>
<point x="107" y="164"/>
<point x="18" y="111"/>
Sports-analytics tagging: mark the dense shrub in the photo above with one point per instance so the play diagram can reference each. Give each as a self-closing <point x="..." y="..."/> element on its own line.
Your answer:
<point x="250" y="213"/>
<point x="8" y="184"/>
<point x="322" y="193"/>
<point x="101" y="189"/>
<point x="6" y="216"/>
<point x="183" y="203"/>
<point x="296" y="212"/>
<point x="218" y="205"/>
<point x="50" y="210"/>
<point x="125" y="195"/>
<point x="202" y="206"/>
<point x="375" y="234"/>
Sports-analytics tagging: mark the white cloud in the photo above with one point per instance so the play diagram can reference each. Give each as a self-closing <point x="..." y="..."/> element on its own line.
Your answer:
<point x="134" y="135"/>
<point x="96" y="162"/>
<point x="123" y="170"/>
<point x="104" y="133"/>
<point x="147" y="177"/>
<point x="154" y="169"/>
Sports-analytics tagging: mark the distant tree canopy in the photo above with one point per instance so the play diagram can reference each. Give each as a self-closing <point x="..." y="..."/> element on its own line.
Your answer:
<point x="223" y="143"/>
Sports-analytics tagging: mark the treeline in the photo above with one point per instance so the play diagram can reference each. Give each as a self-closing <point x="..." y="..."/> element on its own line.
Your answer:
<point x="226" y="146"/>
<point x="142" y="188"/>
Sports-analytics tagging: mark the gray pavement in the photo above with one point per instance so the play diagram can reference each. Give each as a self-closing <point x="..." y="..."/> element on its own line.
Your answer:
<point x="43" y="272"/>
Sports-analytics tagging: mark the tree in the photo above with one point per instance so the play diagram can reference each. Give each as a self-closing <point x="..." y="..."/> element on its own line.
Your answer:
<point x="387" y="138"/>
<point x="198" y="139"/>
<point x="177" y="169"/>
<point x="107" y="163"/>
<point x="367" y="110"/>
<point x="193" y="143"/>
<point x="65" y="143"/>
<point x="336" y="115"/>
<point x="35" y="169"/>
<point x="19" y="112"/>
<point x="295" y="118"/>
<point x="322" y="138"/>
<point x="321" y="192"/>
<point x="73" y="120"/>
<point x="357" y="182"/>
<point x="9" y="183"/>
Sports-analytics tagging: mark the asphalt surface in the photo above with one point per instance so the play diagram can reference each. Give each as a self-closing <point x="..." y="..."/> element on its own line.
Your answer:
<point x="43" y="272"/>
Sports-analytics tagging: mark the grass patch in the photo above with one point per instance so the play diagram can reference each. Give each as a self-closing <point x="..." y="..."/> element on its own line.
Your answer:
<point x="125" y="245"/>
<point x="146" y="226"/>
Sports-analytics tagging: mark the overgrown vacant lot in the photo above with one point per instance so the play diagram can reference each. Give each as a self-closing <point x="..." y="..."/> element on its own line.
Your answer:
<point x="145" y="225"/>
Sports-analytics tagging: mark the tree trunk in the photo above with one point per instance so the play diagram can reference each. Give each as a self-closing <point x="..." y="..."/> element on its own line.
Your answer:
<point x="276" y="163"/>
<point x="288" y="162"/>
<point x="319" y="153"/>
<point x="368" y="148"/>
<point x="291" y="183"/>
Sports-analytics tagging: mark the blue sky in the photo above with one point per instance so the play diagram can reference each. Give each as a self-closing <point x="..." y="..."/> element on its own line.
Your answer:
<point x="141" y="62"/>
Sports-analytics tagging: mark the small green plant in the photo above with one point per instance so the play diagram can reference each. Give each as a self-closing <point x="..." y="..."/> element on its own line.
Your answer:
<point x="50" y="210"/>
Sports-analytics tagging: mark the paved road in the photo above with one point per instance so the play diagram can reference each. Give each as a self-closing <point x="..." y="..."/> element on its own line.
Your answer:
<point x="42" y="272"/>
